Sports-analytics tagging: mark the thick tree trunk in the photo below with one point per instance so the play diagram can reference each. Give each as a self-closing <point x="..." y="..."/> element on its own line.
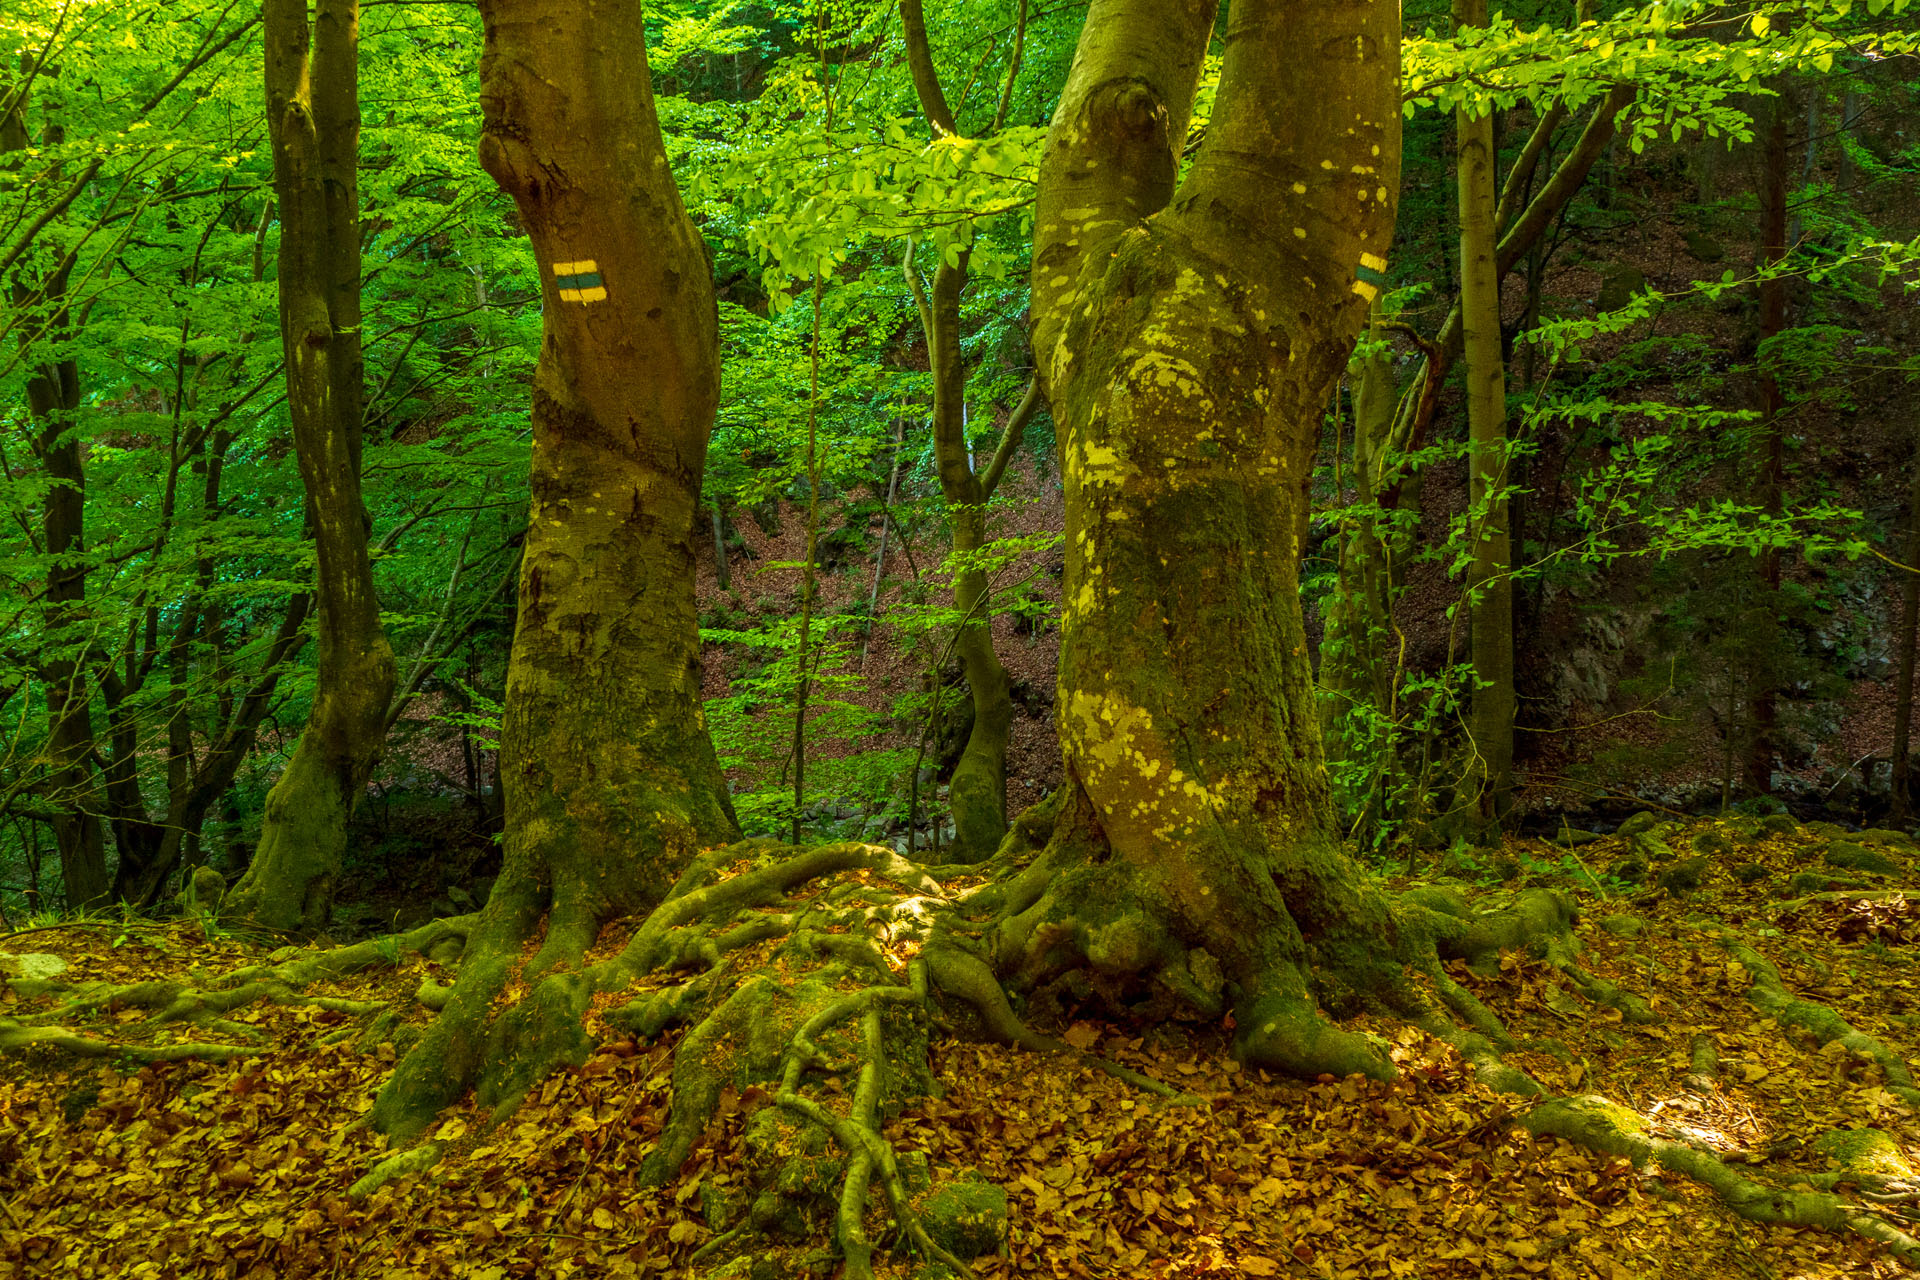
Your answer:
<point x="313" y="114"/>
<point x="612" y="782"/>
<point x="1489" y="580"/>
<point x="1188" y="340"/>
<point x="53" y="398"/>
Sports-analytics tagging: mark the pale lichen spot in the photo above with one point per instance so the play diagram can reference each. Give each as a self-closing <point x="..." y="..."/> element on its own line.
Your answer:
<point x="1326" y="164"/>
<point x="1301" y="232"/>
<point x="1299" y="188"/>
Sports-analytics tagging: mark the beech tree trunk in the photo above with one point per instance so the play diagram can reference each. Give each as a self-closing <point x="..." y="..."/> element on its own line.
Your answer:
<point x="1187" y="340"/>
<point x="313" y="116"/>
<point x="1489" y="580"/>
<point x="1356" y="653"/>
<point x="611" y="778"/>
<point x="53" y="400"/>
<point x="977" y="790"/>
<point x="978" y="787"/>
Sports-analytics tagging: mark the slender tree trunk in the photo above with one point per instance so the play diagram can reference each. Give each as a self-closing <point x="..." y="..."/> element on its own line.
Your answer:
<point x="1901" y="791"/>
<point x="611" y="779"/>
<point x="313" y="116"/>
<point x="721" y="568"/>
<point x="1489" y="580"/>
<point x="1356" y="655"/>
<point x="1766" y="636"/>
<point x="53" y="403"/>
<point x="977" y="790"/>
<point x="53" y="399"/>
<point x="1520" y="230"/>
<point x="1843" y="173"/>
<point x="1188" y="340"/>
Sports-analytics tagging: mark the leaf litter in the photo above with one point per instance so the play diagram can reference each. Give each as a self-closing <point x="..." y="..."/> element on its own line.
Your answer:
<point x="241" y="1169"/>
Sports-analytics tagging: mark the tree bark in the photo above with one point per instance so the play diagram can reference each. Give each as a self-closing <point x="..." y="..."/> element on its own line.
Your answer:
<point x="53" y="403"/>
<point x="977" y="791"/>
<point x="1187" y="340"/>
<point x="978" y="788"/>
<point x="1901" y="789"/>
<point x="612" y="782"/>
<point x="313" y="116"/>
<point x="1356" y="657"/>
<point x="1489" y="580"/>
<point x="1520" y="232"/>
<point x="1766" y="637"/>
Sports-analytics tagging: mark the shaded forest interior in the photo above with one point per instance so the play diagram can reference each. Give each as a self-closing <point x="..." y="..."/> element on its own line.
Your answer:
<point x="1145" y="638"/>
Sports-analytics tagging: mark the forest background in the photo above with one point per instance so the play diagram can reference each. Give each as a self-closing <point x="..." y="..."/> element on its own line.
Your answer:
<point x="1709" y="501"/>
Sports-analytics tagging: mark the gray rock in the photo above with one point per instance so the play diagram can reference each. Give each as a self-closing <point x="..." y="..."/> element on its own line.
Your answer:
<point x="1749" y="872"/>
<point x="967" y="1219"/>
<point x="1622" y="926"/>
<point x="37" y="965"/>
<point x="1618" y="287"/>
<point x="202" y="893"/>
<point x="1632" y="870"/>
<point x="1710" y="841"/>
<point x="1573" y="837"/>
<point x="1684" y="876"/>
<point x="1854" y="857"/>
<point x="1645" y="820"/>
<point x="1779" y="824"/>
<point x="1702" y="247"/>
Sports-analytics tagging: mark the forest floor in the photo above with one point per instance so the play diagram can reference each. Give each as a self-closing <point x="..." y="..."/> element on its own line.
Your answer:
<point x="242" y="1168"/>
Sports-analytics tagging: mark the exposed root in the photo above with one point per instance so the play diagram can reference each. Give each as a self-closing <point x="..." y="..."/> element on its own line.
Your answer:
<point x="280" y="983"/>
<point x="1769" y="994"/>
<point x="965" y="976"/>
<point x="16" y="1037"/>
<point x="1608" y="996"/>
<point x="1601" y="1126"/>
<point x="1703" y="1069"/>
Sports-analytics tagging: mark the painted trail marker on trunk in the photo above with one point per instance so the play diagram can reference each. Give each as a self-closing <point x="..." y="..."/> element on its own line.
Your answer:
<point x="1370" y="276"/>
<point x="579" y="281"/>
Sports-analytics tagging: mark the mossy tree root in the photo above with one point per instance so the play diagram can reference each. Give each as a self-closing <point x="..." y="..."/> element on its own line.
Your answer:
<point x="15" y="1037"/>
<point x="858" y="1132"/>
<point x="501" y="1052"/>
<point x="1611" y="1130"/>
<point x="282" y="983"/>
<point x="1768" y="993"/>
